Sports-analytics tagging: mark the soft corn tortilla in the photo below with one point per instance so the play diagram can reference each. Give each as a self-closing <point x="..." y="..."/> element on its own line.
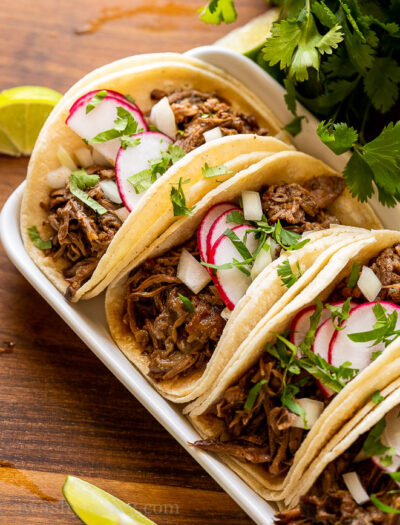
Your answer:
<point x="345" y="404"/>
<point x="264" y="292"/>
<point x="138" y="76"/>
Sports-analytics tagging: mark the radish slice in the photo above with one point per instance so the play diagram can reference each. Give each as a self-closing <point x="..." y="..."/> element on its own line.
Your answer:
<point x="110" y="190"/>
<point x="218" y="228"/>
<point x="369" y="284"/>
<point x="354" y="485"/>
<point x="362" y="318"/>
<point x="394" y="467"/>
<point x="212" y="134"/>
<point x="252" y="209"/>
<point x="313" y="410"/>
<point x="163" y="118"/>
<point x="262" y="260"/>
<point x="191" y="272"/>
<point x="231" y="283"/>
<point x="134" y="159"/>
<point x="301" y="323"/>
<point x="208" y="220"/>
<point x="101" y="118"/>
<point x="85" y="99"/>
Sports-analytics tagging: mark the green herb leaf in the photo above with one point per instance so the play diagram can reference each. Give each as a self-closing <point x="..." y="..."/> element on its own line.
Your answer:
<point x="214" y="171"/>
<point x="383" y="90"/>
<point x="373" y="445"/>
<point x="124" y="124"/>
<point x="130" y="98"/>
<point x="339" y="313"/>
<point x="236" y="216"/>
<point x="338" y="137"/>
<point x="355" y="270"/>
<point x="285" y="272"/>
<point x="384" y="330"/>
<point x="142" y="180"/>
<point x="186" y="302"/>
<point x="217" y="11"/>
<point x="294" y="126"/>
<point x="253" y="394"/>
<point x="97" y="98"/>
<point x="287" y="239"/>
<point x="129" y="141"/>
<point x="377" y="397"/>
<point x="37" y="240"/>
<point x="79" y="180"/>
<point x="382" y="506"/>
<point x="238" y="243"/>
<point x="178" y="199"/>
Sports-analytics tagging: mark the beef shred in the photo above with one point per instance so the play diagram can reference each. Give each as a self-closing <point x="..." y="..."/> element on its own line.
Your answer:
<point x="263" y="434"/>
<point x="176" y="340"/>
<point x="196" y="112"/>
<point x="81" y="236"/>
<point x="330" y="503"/>
<point x="303" y="207"/>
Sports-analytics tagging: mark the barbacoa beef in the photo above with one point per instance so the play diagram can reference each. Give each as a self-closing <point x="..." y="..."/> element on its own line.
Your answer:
<point x="81" y="236"/>
<point x="196" y="112"/>
<point x="176" y="340"/>
<point x="303" y="207"/>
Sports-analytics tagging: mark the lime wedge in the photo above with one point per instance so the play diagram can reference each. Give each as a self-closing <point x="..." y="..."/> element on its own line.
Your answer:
<point x="94" y="506"/>
<point x="23" y="111"/>
<point x="249" y="38"/>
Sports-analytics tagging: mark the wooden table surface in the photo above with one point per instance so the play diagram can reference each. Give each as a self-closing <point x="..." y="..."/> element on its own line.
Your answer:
<point x="61" y="410"/>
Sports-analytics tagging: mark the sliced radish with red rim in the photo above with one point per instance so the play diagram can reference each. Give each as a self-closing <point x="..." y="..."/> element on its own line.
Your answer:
<point x="101" y="118"/>
<point x="135" y="159"/>
<point x="362" y="319"/>
<point x="218" y="228"/>
<point x="231" y="283"/>
<point x="85" y="99"/>
<point x="208" y="220"/>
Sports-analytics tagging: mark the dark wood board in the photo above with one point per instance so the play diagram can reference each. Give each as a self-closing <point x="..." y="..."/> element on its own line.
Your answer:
<point x="61" y="411"/>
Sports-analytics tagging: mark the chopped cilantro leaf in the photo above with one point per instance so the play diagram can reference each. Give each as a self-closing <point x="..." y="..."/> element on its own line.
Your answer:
<point x="384" y="330"/>
<point x="252" y="397"/>
<point x="377" y="397"/>
<point x="178" y="199"/>
<point x="124" y="124"/>
<point x="37" y="240"/>
<point x="95" y="101"/>
<point x="373" y="445"/>
<point x="285" y="272"/>
<point x="355" y="270"/>
<point x="129" y="141"/>
<point x="214" y="171"/>
<point x="294" y="126"/>
<point x="130" y="98"/>
<point x="338" y="137"/>
<point x="339" y="313"/>
<point x="382" y="506"/>
<point x="187" y="303"/>
<point x="79" y="180"/>
<point x="238" y="243"/>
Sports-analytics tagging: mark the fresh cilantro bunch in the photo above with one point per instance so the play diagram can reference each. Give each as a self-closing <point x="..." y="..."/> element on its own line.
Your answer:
<point x="340" y="59"/>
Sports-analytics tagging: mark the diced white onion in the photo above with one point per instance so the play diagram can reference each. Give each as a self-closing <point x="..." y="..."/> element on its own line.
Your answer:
<point x="99" y="159"/>
<point x="252" y="209"/>
<point x="65" y="159"/>
<point x="313" y="410"/>
<point x="192" y="273"/>
<point x="163" y="118"/>
<point x="110" y="190"/>
<point x="212" y="134"/>
<point x="353" y="483"/>
<point x="84" y="157"/>
<point x="122" y="213"/>
<point x="58" y="178"/>
<point x="369" y="283"/>
<point x="225" y="314"/>
<point x="262" y="260"/>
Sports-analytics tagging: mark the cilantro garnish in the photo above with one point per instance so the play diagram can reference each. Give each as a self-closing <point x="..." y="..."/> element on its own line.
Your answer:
<point x="339" y="313"/>
<point x="129" y="141"/>
<point x="130" y="98"/>
<point x="217" y="11"/>
<point x="187" y="303"/>
<point x="285" y="272"/>
<point x="251" y="398"/>
<point x="238" y="243"/>
<point x="97" y="98"/>
<point x="355" y="270"/>
<point x="373" y="445"/>
<point x="213" y="171"/>
<point x="37" y="240"/>
<point x="79" y="180"/>
<point x="382" y="506"/>
<point x="377" y="397"/>
<point x="178" y="199"/>
<point x="124" y="125"/>
<point x="383" y="330"/>
<point x="338" y="137"/>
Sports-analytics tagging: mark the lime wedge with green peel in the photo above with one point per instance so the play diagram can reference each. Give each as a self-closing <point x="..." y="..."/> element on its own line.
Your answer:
<point x="249" y="38"/>
<point x="23" y="111"/>
<point x="94" y="506"/>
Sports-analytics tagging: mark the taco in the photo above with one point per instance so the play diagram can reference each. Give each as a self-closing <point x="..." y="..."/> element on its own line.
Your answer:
<point x="355" y="478"/>
<point x="168" y="314"/>
<point x="306" y="369"/>
<point x="71" y="214"/>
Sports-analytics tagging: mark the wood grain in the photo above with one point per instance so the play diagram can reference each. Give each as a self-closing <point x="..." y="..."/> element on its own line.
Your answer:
<point x="61" y="411"/>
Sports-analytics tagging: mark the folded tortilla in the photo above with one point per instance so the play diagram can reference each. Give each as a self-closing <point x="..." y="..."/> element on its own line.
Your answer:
<point x="138" y="76"/>
<point x="351" y="399"/>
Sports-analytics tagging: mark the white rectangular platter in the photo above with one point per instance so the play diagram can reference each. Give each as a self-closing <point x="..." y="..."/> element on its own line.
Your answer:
<point x="87" y="318"/>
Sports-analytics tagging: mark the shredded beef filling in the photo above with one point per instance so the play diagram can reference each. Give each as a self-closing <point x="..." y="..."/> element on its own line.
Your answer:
<point x="386" y="266"/>
<point x="81" y="236"/>
<point x="265" y="433"/>
<point x="196" y="112"/>
<point x="176" y="340"/>
<point x="303" y="207"/>
<point x="330" y="503"/>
